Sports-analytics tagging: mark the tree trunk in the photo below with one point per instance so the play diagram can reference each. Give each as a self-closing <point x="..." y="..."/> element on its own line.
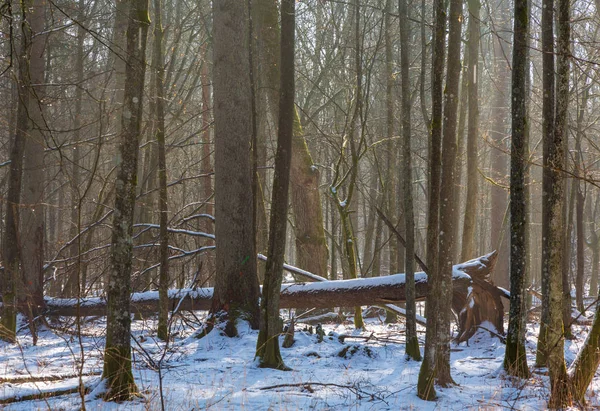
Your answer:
<point x="560" y="395"/>
<point x="412" y="342"/>
<point x="267" y="347"/>
<point x="447" y="187"/>
<point x="236" y="283"/>
<point x="163" y="277"/>
<point x="117" y="354"/>
<point x="12" y="273"/>
<point x="498" y="134"/>
<point x="515" y="359"/>
<point x="326" y="294"/>
<point x="32" y="217"/>
<point x="471" y="209"/>
<point x="425" y="385"/>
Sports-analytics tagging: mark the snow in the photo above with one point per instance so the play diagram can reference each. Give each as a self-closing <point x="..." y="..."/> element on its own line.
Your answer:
<point x="217" y="372"/>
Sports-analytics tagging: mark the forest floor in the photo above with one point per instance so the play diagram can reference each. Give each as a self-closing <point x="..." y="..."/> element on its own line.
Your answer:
<point x="220" y="373"/>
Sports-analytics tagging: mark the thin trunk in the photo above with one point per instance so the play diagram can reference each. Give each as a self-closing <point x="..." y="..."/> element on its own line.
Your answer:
<point x="117" y="354"/>
<point x="560" y="394"/>
<point x="163" y="276"/>
<point x="412" y="342"/>
<point x="267" y="348"/>
<point x="515" y="359"/>
<point x="425" y="386"/>
<point x="447" y="187"/>
<point x="471" y="209"/>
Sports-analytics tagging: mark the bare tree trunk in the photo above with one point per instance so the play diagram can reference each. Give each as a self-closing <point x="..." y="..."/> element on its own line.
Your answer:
<point x="32" y="217"/>
<point x="515" y="359"/>
<point x="560" y="395"/>
<point x="267" y="348"/>
<point x="471" y="209"/>
<point x="207" y="189"/>
<point x="236" y="284"/>
<point x="425" y="386"/>
<point x="447" y="187"/>
<point x="12" y="273"/>
<point x="117" y="354"/>
<point x="412" y="342"/>
<point x="163" y="277"/>
<point x="498" y="133"/>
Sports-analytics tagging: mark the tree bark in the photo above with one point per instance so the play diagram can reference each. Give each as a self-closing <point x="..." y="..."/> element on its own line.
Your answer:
<point x="471" y="209"/>
<point x="163" y="276"/>
<point x="425" y="385"/>
<point x="447" y="187"/>
<point x="412" y="342"/>
<point x="117" y="354"/>
<point x="267" y="347"/>
<point x="515" y="359"/>
<point x="560" y="395"/>
<point x="236" y="284"/>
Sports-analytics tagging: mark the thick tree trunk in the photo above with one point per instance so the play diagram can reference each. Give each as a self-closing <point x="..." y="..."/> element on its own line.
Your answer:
<point x="236" y="283"/>
<point x="117" y="355"/>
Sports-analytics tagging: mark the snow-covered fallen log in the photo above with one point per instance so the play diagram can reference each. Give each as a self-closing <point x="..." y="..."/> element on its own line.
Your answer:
<point x="316" y="294"/>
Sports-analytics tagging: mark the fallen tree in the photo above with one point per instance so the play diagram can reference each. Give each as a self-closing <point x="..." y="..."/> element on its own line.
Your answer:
<point x="475" y="299"/>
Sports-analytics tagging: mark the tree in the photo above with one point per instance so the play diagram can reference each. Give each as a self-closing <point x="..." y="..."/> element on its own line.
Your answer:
<point x="267" y="347"/>
<point x="412" y="342"/>
<point x="469" y="226"/>
<point x="117" y="353"/>
<point x="22" y="280"/>
<point x="236" y="284"/>
<point x="554" y="110"/>
<point x="515" y="359"/>
<point x="443" y="275"/>
<point x="425" y="385"/>
<point x="158" y="66"/>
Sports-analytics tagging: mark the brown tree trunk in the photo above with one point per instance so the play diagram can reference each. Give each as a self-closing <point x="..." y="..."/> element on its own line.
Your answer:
<point x="425" y="385"/>
<point x="447" y="187"/>
<point x="117" y="354"/>
<point x="163" y="277"/>
<point x="267" y="347"/>
<point x="236" y="283"/>
<point x="412" y="342"/>
<point x="471" y="202"/>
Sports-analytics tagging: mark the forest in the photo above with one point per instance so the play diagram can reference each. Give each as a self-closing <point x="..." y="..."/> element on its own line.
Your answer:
<point x="299" y="204"/>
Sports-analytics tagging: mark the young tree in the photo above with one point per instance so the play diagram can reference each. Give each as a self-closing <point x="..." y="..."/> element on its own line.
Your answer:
<point x="443" y="275"/>
<point x="412" y="342"/>
<point x="267" y="347"/>
<point x="515" y="360"/>
<point x="236" y="285"/>
<point x="470" y="221"/>
<point x="425" y="386"/>
<point x="158" y="66"/>
<point x="554" y="110"/>
<point x="117" y="353"/>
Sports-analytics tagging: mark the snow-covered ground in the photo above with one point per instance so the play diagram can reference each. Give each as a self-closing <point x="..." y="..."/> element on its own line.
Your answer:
<point x="220" y="373"/>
